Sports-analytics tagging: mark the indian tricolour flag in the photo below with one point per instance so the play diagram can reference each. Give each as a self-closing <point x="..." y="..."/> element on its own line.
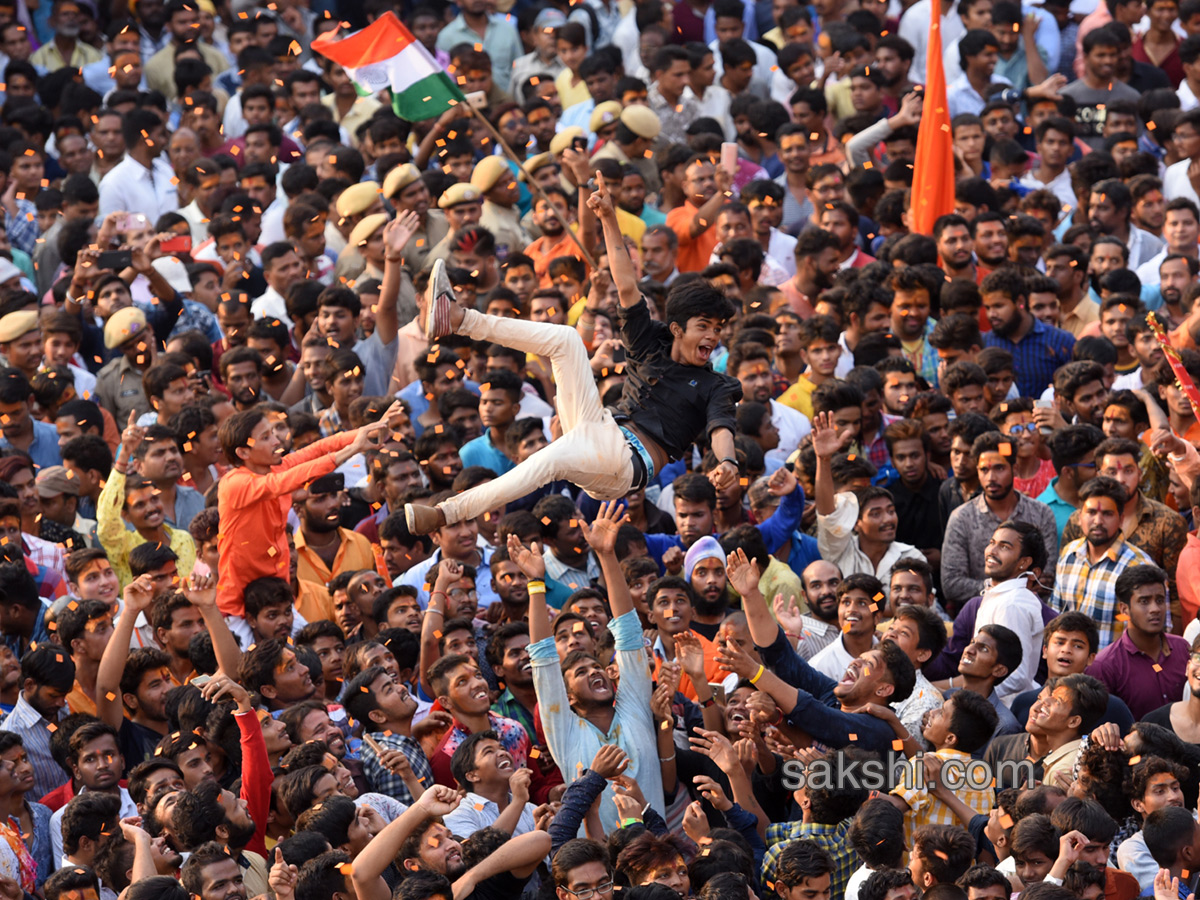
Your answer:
<point x="386" y="55"/>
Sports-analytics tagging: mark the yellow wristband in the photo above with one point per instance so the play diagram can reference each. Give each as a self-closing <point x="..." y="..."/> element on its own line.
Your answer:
<point x="537" y="587"/>
<point x="758" y="674"/>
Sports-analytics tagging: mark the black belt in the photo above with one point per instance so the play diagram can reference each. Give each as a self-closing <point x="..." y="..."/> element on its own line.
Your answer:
<point x="641" y="477"/>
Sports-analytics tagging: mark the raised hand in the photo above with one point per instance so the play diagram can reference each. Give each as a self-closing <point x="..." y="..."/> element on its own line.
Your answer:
<point x="717" y="747"/>
<point x="825" y="438"/>
<point x="747" y="751"/>
<point x="200" y="590"/>
<point x="733" y="658"/>
<point x="787" y="614"/>
<point x="673" y="560"/>
<point x="282" y="877"/>
<point x="742" y="572"/>
<point x="439" y="800"/>
<point x="726" y="474"/>
<point x="398" y="232"/>
<point x="132" y="436"/>
<point x="609" y="762"/>
<point x="602" y="536"/>
<point x="449" y="571"/>
<point x="1108" y="736"/>
<point x="624" y="785"/>
<point x="600" y="201"/>
<point x="519" y="785"/>
<point x="139" y="594"/>
<point x="782" y="483"/>
<point x="628" y="807"/>
<point x="690" y="655"/>
<point x="221" y="685"/>
<point x="695" y="823"/>
<point x="661" y="703"/>
<point x="528" y="559"/>
<point x="712" y="792"/>
<point x="762" y="708"/>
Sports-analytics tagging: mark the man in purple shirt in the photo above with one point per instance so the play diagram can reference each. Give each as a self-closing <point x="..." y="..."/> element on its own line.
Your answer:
<point x="1145" y="667"/>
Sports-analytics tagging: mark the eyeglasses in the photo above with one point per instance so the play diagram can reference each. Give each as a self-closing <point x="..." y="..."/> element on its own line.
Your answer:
<point x="1194" y="658"/>
<point x="1090" y="465"/>
<point x="1031" y="427"/>
<point x="604" y="887"/>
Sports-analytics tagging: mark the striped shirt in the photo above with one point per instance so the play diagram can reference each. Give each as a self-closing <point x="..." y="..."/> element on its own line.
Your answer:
<point x="1092" y="589"/>
<point x="35" y="735"/>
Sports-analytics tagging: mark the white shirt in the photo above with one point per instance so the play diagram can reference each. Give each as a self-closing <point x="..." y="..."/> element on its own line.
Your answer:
<point x="793" y="425"/>
<point x="911" y="711"/>
<point x="233" y="125"/>
<point x="961" y="97"/>
<point x="1147" y="272"/>
<point x="1176" y="182"/>
<point x="834" y="659"/>
<point x="85" y="381"/>
<point x="914" y="28"/>
<point x="132" y="187"/>
<point x="782" y="249"/>
<point x="1142" y="246"/>
<point x="1187" y="98"/>
<point x="1011" y="604"/>
<point x="846" y="360"/>
<point x="1060" y="186"/>
<point x="1131" y="382"/>
<point x="838" y="543"/>
<point x="128" y="808"/>
<point x="271" y="303"/>
<point x="764" y="63"/>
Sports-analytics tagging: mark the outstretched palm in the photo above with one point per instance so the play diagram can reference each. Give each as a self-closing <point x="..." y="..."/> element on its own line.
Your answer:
<point x="602" y="537"/>
<point x="528" y="559"/>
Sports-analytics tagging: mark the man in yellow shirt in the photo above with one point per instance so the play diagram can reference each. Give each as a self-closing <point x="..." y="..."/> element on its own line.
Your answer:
<point x="820" y="349"/>
<point x="323" y="547"/>
<point x="66" y="50"/>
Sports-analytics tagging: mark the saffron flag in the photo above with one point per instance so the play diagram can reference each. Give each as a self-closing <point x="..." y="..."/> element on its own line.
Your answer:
<point x="933" y="172"/>
<point x="386" y="55"/>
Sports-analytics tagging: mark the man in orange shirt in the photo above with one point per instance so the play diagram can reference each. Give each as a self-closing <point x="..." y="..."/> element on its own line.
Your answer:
<point x="553" y="218"/>
<point x="254" y="496"/>
<point x="707" y="188"/>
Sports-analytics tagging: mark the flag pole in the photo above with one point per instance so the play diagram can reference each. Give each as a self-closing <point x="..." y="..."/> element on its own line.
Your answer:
<point x="530" y="180"/>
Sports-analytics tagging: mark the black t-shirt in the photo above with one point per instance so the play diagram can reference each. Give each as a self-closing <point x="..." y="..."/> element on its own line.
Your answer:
<point x="137" y="742"/>
<point x="505" y="886"/>
<point x="669" y="402"/>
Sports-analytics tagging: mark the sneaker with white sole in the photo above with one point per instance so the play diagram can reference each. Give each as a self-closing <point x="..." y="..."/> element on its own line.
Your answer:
<point x="440" y="297"/>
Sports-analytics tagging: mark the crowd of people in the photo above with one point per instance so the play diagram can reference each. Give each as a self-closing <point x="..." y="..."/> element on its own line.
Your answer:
<point x="599" y="485"/>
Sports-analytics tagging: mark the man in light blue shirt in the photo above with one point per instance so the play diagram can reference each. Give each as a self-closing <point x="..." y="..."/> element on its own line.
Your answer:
<point x="18" y="428"/>
<point x="497" y="34"/>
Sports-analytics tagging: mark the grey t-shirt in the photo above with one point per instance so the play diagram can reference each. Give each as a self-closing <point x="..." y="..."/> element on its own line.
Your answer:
<point x="1090" y="104"/>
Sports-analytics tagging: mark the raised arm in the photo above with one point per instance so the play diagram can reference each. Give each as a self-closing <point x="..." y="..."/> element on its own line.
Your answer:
<point x="201" y="592"/>
<point x="744" y="576"/>
<point x="446" y="573"/>
<point x="826" y="443"/>
<point x="621" y="266"/>
<point x="381" y="851"/>
<point x="602" y="537"/>
<point x="530" y="561"/>
<point x="519" y="856"/>
<point x="138" y="595"/>
<point x="396" y="235"/>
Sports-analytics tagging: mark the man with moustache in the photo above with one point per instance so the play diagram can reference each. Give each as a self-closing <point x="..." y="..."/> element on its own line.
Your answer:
<point x="704" y="568"/>
<point x="96" y="765"/>
<point x="1091" y="565"/>
<point x="818" y="628"/>
<point x="551" y="215"/>
<point x="970" y="528"/>
<point x="323" y="547"/>
<point x="157" y="459"/>
<point x="1038" y="349"/>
